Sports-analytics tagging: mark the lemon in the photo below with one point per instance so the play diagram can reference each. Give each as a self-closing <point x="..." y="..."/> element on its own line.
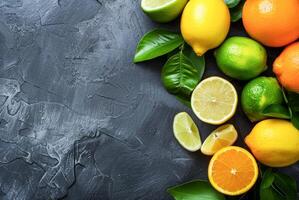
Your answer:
<point x="205" y="24"/>
<point x="258" y="94"/>
<point x="241" y="58"/>
<point x="274" y="142"/>
<point x="186" y="132"/>
<point x="214" y="100"/>
<point x="224" y="136"/>
<point x="163" y="10"/>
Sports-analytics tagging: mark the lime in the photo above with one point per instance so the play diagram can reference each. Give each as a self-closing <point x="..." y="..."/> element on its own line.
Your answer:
<point x="214" y="100"/>
<point x="259" y="94"/>
<point x="186" y="132"/>
<point x="163" y="10"/>
<point x="223" y="136"/>
<point x="241" y="58"/>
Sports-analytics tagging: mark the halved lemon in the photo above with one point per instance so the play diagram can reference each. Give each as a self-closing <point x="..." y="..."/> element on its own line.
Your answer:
<point x="214" y="100"/>
<point x="163" y="10"/>
<point x="233" y="171"/>
<point x="224" y="136"/>
<point x="186" y="132"/>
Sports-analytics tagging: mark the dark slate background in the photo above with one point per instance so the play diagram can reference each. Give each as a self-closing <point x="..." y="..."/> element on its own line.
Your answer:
<point x="78" y="119"/>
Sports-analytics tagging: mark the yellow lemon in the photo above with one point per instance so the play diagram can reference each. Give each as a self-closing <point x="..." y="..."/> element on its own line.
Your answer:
<point x="205" y="24"/>
<point x="223" y="136"/>
<point x="214" y="100"/>
<point x="274" y="142"/>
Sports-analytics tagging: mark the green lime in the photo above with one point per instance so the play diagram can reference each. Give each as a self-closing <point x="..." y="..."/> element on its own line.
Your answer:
<point x="241" y="58"/>
<point x="186" y="132"/>
<point x="259" y="94"/>
<point x="163" y="10"/>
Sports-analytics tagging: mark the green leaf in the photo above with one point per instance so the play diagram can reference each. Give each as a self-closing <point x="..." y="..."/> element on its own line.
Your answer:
<point x="284" y="95"/>
<point x="277" y="111"/>
<point x="197" y="61"/>
<point x="277" y="186"/>
<point x="292" y="99"/>
<point x="286" y="184"/>
<point x="236" y="12"/>
<point x="185" y="101"/>
<point x="195" y="190"/>
<point x="157" y="43"/>
<point x="179" y="75"/>
<point x="232" y="3"/>
<point x="268" y="179"/>
<point x="295" y="119"/>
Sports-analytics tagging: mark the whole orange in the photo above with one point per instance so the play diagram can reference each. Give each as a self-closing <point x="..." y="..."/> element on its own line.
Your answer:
<point x="286" y="67"/>
<point x="274" y="23"/>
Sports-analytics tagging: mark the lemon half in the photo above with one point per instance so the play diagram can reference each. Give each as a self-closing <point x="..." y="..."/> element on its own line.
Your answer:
<point x="214" y="100"/>
<point x="223" y="136"/>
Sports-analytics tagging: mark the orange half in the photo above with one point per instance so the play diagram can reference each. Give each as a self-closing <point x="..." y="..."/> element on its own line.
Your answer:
<point x="233" y="171"/>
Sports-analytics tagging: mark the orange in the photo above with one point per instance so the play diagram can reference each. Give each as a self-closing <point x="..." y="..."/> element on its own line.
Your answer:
<point x="286" y="67"/>
<point x="233" y="171"/>
<point x="274" y="23"/>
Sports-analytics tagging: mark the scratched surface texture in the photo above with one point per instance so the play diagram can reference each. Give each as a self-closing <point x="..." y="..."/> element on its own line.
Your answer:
<point x="78" y="120"/>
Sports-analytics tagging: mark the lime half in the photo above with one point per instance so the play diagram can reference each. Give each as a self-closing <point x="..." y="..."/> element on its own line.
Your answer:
<point x="163" y="10"/>
<point x="186" y="132"/>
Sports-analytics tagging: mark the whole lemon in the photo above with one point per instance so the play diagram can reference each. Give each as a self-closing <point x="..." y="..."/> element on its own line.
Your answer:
<point x="205" y="24"/>
<point x="274" y="142"/>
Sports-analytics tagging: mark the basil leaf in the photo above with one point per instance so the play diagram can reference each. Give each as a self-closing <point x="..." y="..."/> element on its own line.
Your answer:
<point x="179" y="75"/>
<point x="236" y="12"/>
<point x="195" y="190"/>
<point x="157" y="43"/>
<point x="232" y="3"/>
<point x="277" y="111"/>
<point x="277" y="186"/>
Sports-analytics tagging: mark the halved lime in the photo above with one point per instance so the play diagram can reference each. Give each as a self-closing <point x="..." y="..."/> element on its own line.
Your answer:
<point x="163" y="10"/>
<point x="186" y="132"/>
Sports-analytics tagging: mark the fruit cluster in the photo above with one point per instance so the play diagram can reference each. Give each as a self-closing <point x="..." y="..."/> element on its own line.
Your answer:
<point x="204" y="26"/>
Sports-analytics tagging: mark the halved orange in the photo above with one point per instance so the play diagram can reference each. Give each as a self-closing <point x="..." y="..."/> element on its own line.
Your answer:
<point x="233" y="171"/>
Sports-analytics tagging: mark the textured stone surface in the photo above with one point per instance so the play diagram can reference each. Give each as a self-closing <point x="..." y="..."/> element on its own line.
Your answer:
<point x="78" y="120"/>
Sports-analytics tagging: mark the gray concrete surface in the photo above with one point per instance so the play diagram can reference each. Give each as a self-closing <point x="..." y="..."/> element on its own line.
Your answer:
<point x="80" y="121"/>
